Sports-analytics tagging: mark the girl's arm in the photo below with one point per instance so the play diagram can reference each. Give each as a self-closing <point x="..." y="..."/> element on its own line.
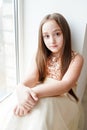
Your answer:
<point x="31" y="78"/>
<point x="68" y="81"/>
<point x="27" y="99"/>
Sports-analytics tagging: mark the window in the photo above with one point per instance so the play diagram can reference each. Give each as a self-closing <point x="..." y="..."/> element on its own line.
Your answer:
<point x="8" y="48"/>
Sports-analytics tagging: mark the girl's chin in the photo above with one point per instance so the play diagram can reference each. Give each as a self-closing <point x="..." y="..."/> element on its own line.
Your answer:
<point x="54" y="51"/>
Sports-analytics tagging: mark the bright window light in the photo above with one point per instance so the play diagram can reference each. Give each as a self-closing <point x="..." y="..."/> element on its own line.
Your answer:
<point x="8" y="46"/>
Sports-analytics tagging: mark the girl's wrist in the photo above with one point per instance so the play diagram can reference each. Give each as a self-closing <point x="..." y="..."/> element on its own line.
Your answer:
<point x="35" y="91"/>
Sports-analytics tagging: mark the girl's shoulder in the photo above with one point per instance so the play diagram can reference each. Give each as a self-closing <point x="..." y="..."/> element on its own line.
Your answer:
<point x="77" y="56"/>
<point x="73" y="54"/>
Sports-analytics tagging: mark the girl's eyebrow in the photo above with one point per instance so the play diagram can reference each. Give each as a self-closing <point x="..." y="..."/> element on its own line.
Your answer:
<point x="55" y="30"/>
<point x="45" y="33"/>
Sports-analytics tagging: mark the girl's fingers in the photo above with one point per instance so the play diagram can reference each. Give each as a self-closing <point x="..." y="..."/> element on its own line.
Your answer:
<point x="21" y="111"/>
<point x="16" y="110"/>
<point x="34" y="96"/>
<point x="31" y="103"/>
<point x="28" y="106"/>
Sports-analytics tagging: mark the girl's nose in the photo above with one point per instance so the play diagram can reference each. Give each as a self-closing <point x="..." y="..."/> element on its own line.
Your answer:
<point x="52" y="40"/>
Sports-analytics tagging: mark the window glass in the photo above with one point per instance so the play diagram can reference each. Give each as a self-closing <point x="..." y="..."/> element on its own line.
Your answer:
<point x="7" y="48"/>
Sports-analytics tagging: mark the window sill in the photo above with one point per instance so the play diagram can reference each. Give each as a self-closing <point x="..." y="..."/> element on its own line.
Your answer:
<point x="4" y="96"/>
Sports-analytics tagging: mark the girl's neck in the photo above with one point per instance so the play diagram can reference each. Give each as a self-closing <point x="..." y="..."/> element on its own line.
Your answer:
<point x="56" y="55"/>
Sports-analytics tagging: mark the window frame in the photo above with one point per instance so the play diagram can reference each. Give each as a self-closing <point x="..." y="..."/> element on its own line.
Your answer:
<point x="19" y="37"/>
<point x="18" y="30"/>
<point x="16" y="39"/>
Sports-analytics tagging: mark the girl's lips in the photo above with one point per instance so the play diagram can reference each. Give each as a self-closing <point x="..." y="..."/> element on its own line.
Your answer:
<point x="53" y="46"/>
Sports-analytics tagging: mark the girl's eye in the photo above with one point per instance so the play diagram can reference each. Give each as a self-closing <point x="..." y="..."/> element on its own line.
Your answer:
<point x="57" y="33"/>
<point x="46" y="36"/>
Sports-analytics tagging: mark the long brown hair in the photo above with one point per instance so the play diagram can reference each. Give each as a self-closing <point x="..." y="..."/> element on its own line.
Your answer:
<point x="43" y="52"/>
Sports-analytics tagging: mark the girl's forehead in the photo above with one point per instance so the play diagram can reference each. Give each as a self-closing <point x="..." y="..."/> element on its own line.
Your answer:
<point x="50" y="25"/>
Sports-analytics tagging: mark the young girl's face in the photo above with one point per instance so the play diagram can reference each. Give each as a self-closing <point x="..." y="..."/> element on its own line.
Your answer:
<point x="52" y="36"/>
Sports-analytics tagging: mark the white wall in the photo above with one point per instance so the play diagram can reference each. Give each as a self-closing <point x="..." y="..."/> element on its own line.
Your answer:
<point x="82" y="83"/>
<point x="75" y="11"/>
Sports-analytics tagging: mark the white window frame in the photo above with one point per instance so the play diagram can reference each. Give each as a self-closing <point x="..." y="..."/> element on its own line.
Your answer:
<point x="20" y="37"/>
<point x="18" y="23"/>
<point x="16" y="39"/>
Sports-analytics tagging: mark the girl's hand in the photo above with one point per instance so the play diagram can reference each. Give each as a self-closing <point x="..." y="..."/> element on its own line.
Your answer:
<point x="27" y="99"/>
<point x="19" y="110"/>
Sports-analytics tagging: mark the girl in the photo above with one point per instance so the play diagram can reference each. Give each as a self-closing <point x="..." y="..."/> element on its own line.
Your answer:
<point x="46" y="100"/>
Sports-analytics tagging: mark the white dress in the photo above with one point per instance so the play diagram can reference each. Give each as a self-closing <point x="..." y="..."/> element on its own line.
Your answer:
<point x="51" y="113"/>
